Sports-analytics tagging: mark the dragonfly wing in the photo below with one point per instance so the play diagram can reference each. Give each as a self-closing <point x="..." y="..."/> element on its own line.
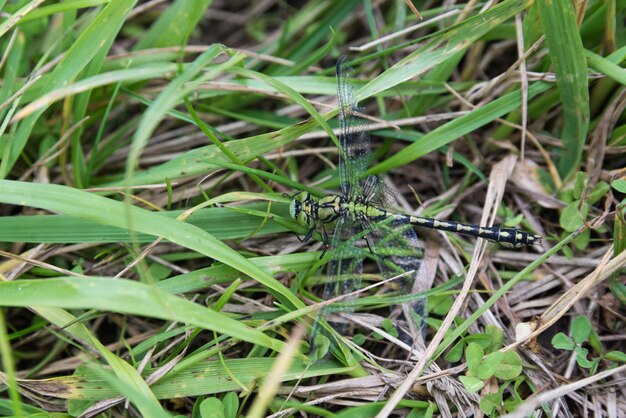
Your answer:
<point x="397" y="251"/>
<point x="345" y="269"/>
<point x="354" y="155"/>
<point x="377" y="193"/>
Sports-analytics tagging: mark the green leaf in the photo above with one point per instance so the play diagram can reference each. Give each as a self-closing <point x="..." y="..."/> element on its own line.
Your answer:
<point x="483" y="340"/>
<point x="598" y="192"/>
<point x="456" y="352"/>
<point x="359" y="339"/>
<point x="579" y="185"/>
<point x="567" y="55"/>
<point x="77" y="407"/>
<point x="606" y="67"/>
<point x="471" y="384"/>
<point x="205" y="377"/>
<point x="619" y="185"/>
<point x="489" y="365"/>
<point x="567" y="251"/>
<point x="415" y="413"/>
<point x="511" y="405"/>
<point x="212" y="408"/>
<point x="582" y="240"/>
<point x="580" y="329"/>
<point x="231" y="404"/>
<point x="616" y="356"/>
<point x="319" y="347"/>
<point x="510" y="367"/>
<point x="514" y="221"/>
<point x="490" y="403"/>
<point x="497" y="337"/>
<point x="388" y="326"/>
<point x="562" y="342"/>
<point x="439" y="304"/>
<point x="473" y="356"/>
<point x="571" y="218"/>
<point x="581" y="357"/>
<point x="594" y="366"/>
<point x="595" y="343"/>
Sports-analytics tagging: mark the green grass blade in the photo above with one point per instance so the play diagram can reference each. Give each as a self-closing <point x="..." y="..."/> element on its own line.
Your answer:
<point x="155" y="70"/>
<point x="51" y="9"/>
<point x="458" y="127"/>
<point x="297" y="98"/>
<point x="128" y="383"/>
<point x="173" y="27"/>
<point x="204" y="378"/>
<point x="442" y="47"/>
<point x="570" y="66"/>
<point x="606" y="67"/>
<point x="199" y="160"/>
<point x="109" y="212"/>
<point x="221" y="222"/>
<point x="18" y="16"/>
<point x="8" y="365"/>
<point x="127" y="297"/>
<point x="171" y="95"/>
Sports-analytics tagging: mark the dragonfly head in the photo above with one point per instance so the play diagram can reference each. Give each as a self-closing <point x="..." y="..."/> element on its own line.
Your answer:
<point x="301" y="209"/>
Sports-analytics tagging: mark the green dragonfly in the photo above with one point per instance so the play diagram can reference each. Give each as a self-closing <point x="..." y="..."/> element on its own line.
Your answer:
<point x="360" y="213"/>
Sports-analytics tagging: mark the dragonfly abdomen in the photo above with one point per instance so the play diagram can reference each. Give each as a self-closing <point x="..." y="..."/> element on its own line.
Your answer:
<point x="507" y="237"/>
<point x="358" y="211"/>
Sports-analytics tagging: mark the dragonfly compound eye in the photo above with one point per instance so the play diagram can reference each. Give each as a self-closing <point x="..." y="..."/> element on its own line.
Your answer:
<point x="295" y="207"/>
<point x="300" y="209"/>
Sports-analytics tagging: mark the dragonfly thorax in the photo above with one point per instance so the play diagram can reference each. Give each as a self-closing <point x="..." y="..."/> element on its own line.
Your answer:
<point x="308" y="211"/>
<point x="330" y="208"/>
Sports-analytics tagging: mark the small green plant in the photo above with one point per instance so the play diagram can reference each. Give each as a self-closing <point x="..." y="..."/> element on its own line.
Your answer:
<point x="580" y="198"/>
<point x="218" y="408"/>
<point x="580" y="333"/>
<point x="484" y="363"/>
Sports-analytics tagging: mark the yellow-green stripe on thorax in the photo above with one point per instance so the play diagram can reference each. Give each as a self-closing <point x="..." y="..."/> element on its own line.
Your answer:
<point x="330" y="208"/>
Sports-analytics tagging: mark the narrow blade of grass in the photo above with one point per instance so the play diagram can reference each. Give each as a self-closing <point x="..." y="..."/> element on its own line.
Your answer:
<point x="458" y="127"/>
<point x="127" y="297"/>
<point x="568" y="59"/>
<point x="442" y="47"/>
<point x="109" y="212"/>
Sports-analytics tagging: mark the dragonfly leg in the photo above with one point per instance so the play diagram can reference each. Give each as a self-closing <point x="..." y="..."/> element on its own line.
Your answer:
<point x="367" y="241"/>
<point x="308" y="235"/>
<point x="326" y="242"/>
<point x="369" y="247"/>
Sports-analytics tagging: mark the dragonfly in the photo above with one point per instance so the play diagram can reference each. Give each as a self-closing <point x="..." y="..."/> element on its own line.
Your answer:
<point x="361" y="212"/>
